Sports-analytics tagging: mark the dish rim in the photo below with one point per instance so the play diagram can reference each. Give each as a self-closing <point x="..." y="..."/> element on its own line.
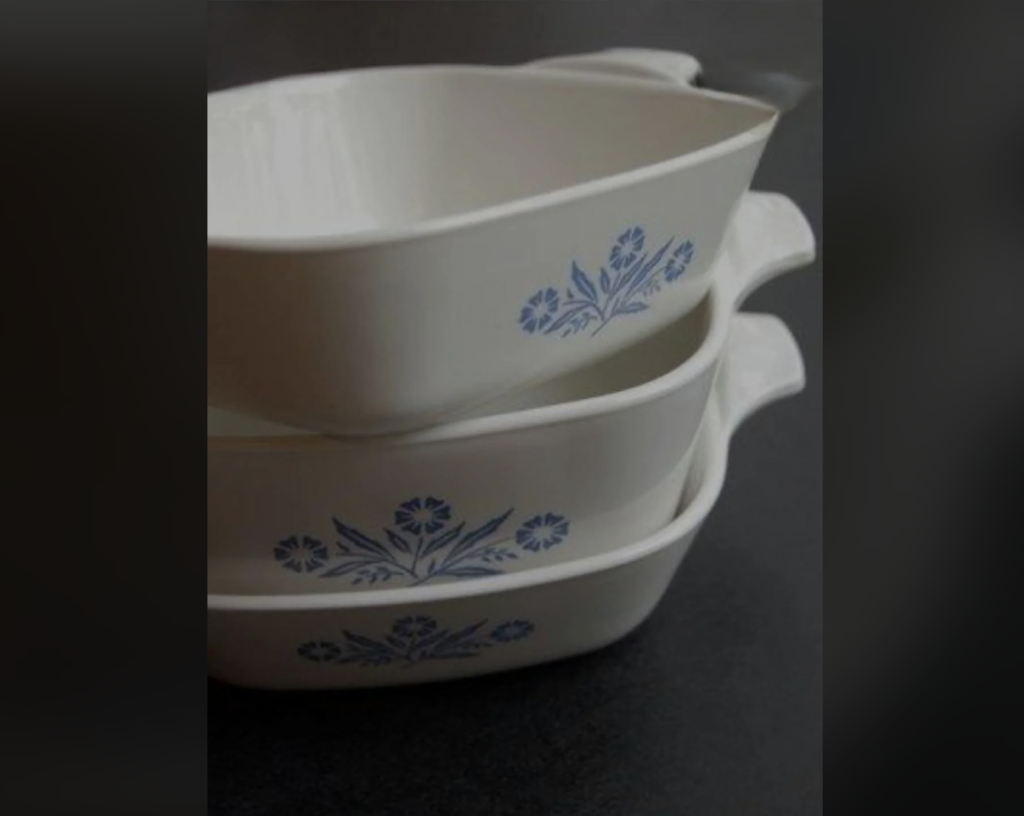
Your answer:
<point x="448" y="224"/>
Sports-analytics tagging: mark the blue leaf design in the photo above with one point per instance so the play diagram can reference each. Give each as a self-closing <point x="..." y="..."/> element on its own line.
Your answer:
<point x="479" y="534"/>
<point x="567" y="316"/>
<point x="355" y="657"/>
<point x="443" y="540"/>
<point x="365" y="642"/>
<point x="632" y="308"/>
<point x="345" y="569"/>
<point x="629" y="275"/>
<point x="454" y="640"/>
<point x="364" y="561"/>
<point x="397" y="541"/>
<point x="606" y="281"/>
<point x="361" y="541"/>
<point x="443" y="644"/>
<point x="452" y="655"/>
<point x="647" y="268"/>
<point x="470" y="572"/>
<point x="583" y="283"/>
<point x="430" y="640"/>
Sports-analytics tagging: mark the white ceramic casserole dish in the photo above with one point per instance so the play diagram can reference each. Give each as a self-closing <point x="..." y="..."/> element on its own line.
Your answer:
<point x="572" y="468"/>
<point x="387" y="248"/>
<point x="430" y="633"/>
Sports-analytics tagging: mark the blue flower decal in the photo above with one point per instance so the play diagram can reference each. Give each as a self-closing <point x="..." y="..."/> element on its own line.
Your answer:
<point x="415" y="639"/>
<point x="512" y="630"/>
<point x="542" y="532"/>
<point x="320" y="651"/>
<point x="306" y="555"/>
<point x="627" y="247"/>
<point x="539" y="310"/>
<point x="418" y="515"/>
<point x="424" y="545"/>
<point x="414" y="626"/>
<point x="679" y="261"/>
<point x="625" y="287"/>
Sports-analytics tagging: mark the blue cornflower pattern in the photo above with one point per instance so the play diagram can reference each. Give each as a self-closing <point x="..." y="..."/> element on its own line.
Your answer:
<point x="414" y="626"/>
<point x="425" y="544"/>
<point x="307" y="555"/>
<point x="680" y="259"/>
<point x="320" y="651"/>
<point x="624" y="286"/>
<point x="539" y="310"/>
<point x="542" y="532"/>
<point x="512" y="630"/>
<point x="419" y="515"/>
<point x="626" y="248"/>
<point x="412" y="640"/>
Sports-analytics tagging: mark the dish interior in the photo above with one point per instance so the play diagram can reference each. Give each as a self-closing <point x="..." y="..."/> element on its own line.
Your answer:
<point x="641" y="363"/>
<point x="386" y="148"/>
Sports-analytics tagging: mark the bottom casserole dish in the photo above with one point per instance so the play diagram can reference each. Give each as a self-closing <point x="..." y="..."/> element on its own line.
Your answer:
<point x="429" y="633"/>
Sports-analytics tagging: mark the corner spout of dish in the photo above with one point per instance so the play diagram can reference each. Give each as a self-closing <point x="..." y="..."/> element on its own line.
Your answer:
<point x="761" y="364"/>
<point x="644" y="63"/>
<point x="673" y="67"/>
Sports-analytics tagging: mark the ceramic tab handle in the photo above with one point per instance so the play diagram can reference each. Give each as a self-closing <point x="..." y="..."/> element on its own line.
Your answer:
<point x="643" y="63"/>
<point x="769" y="236"/>
<point x="761" y="364"/>
<point x="780" y="91"/>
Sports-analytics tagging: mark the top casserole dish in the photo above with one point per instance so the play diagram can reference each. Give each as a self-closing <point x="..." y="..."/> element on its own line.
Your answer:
<point x="388" y="248"/>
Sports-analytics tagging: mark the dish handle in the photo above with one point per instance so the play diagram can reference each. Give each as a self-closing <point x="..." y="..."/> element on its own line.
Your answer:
<point x="642" y="63"/>
<point x="780" y="92"/>
<point x="769" y="236"/>
<point x="762" y="363"/>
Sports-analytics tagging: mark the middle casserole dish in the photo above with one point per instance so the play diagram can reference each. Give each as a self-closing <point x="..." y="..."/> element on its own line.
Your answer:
<point x="602" y="460"/>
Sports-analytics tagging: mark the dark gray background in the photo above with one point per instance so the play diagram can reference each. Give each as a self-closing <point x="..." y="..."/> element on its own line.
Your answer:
<point x="714" y="706"/>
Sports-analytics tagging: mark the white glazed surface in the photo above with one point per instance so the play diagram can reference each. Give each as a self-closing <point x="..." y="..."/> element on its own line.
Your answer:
<point x="361" y="282"/>
<point x="605" y="452"/>
<point x="391" y="637"/>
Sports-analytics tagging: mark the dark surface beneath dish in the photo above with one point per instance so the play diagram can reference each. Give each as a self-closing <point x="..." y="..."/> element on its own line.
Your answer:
<point x="714" y="705"/>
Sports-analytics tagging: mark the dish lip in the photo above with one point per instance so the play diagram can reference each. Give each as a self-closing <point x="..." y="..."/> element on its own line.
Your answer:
<point x="711" y="462"/>
<point x="717" y="302"/>
<point x="447" y="224"/>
